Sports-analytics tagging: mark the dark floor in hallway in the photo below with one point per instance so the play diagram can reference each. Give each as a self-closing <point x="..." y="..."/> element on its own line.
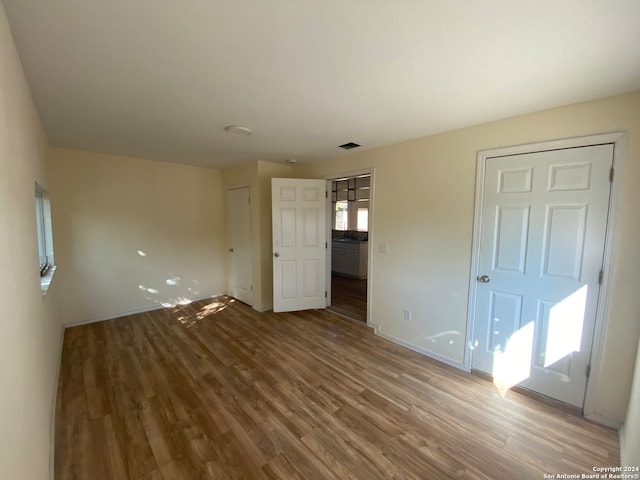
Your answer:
<point x="349" y="297"/>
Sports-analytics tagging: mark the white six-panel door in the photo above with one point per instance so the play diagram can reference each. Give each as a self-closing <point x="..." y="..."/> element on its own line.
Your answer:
<point x="299" y="250"/>
<point x="543" y="224"/>
<point x="239" y="220"/>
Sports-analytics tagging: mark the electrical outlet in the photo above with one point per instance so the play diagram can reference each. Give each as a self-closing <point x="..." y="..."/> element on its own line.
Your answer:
<point x="407" y="314"/>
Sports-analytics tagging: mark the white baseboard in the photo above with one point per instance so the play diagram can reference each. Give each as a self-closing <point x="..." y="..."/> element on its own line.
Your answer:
<point x="623" y="456"/>
<point x="374" y="326"/>
<point x="132" y="312"/>
<point x="426" y="353"/>
<point x="264" y="308"/>
<point x="602" y="420"/>
<point x="54" y="404"/>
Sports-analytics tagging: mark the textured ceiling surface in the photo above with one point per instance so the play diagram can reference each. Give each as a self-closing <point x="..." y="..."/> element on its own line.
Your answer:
<point x="162" y="78"/>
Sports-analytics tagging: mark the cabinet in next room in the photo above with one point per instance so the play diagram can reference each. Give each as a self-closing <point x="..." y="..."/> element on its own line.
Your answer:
<point x="349" y="258"/>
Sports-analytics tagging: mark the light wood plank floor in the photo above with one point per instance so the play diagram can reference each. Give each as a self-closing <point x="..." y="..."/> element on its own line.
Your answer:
<point x="215" y="390"/>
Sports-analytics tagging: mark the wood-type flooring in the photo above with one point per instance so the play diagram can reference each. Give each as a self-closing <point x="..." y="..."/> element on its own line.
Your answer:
<point x="216" y="390"/>
<point x="349" y="297"/>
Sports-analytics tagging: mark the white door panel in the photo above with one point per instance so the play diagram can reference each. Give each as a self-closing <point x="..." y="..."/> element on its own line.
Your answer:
<point x="543" y="225"/>
<point x="239" y="218"/>
<point x="299" y="228"/>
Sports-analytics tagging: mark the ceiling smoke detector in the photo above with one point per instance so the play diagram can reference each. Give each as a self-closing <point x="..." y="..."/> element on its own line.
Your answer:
<point x="238" y="130"/>
<point x="292" y="161"/>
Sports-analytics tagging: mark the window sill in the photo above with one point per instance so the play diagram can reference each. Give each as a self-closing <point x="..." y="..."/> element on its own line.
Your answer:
<point x="46" y="281"/>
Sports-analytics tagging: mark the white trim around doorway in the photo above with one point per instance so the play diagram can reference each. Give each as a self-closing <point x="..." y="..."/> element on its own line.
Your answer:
<point x="335" y="176"/>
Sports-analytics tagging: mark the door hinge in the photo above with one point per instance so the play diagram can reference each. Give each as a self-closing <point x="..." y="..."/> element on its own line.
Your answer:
<point x="251" y="288"/>
<point x="326" y="245"/>
<point x="325" y="294"/>
<point x="588" y="372"/>
<point x="611" y="175"/>
<point x="601" y="277"/>
<point x="326" y="194"/>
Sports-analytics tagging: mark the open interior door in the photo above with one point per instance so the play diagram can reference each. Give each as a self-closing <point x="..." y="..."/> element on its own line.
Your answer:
<point x="299" y="247"/>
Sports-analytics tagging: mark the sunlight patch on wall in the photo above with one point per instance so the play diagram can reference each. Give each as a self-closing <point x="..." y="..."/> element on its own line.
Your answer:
<point x="153" y="291"/>
<point x="442" y="336"/>
<point x="566" y="319"/>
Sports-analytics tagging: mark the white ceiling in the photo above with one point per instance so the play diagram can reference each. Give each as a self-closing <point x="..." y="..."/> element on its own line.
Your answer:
<point x="161" y="78"/>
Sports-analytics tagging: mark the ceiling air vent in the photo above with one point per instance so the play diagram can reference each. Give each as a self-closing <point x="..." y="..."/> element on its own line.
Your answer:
<point x="349" y="146"/>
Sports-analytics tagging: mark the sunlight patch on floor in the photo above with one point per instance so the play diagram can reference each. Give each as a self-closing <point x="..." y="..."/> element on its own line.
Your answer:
<point x="513" y="365"/>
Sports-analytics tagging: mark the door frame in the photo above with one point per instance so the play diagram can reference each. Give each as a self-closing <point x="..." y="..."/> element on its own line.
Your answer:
<point x="619" y="140"/>
<point x="227" y="239"/>
<point x="329" y="178"/>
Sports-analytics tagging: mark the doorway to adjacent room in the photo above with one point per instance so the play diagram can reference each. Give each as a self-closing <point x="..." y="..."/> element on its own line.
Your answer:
<point x="349" y="211"/>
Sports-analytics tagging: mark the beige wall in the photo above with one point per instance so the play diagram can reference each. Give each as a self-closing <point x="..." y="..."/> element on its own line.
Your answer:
<point x="257" y="176"/>
<point x="106" y="209"/>
<point x="423" y="207"/>
<point x="630" y="434"/>
<point x="31" y="329"/>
